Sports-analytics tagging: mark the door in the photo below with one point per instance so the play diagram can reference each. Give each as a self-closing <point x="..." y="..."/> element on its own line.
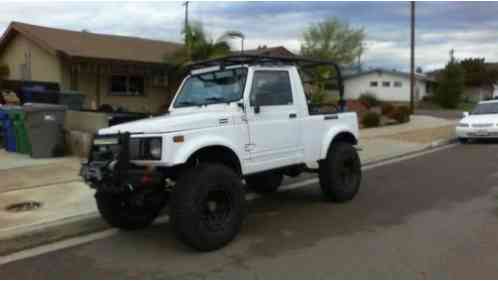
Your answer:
<point x="273" y="120"/>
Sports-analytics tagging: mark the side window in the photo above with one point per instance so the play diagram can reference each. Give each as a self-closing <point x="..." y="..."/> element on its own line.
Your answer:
<point x="271" y="88"/>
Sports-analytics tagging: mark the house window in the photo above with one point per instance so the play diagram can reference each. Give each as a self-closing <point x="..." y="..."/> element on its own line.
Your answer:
<point x="398" y="84"/>
<point x="374" y="83"/>
<point x="122" y="85"/>
<point x="386" y="84"/>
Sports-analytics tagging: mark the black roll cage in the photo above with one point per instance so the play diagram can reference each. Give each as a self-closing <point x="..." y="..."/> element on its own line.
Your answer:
<point x="297" y="61"/>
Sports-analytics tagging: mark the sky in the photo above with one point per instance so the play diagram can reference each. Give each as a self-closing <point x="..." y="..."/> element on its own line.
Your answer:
<point x="470" y="28"/>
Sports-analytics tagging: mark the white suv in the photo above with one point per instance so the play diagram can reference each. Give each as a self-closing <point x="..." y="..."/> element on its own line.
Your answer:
<point x="233" y="119"/>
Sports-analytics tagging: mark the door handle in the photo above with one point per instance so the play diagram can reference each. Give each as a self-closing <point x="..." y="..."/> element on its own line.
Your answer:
<point x="292" y="115"/>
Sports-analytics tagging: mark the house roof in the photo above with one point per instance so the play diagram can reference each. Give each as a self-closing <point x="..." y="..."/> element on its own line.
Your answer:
<point x="392" y="72"/>
<point x="91" y="45"/>
<point x="278" y="51"/>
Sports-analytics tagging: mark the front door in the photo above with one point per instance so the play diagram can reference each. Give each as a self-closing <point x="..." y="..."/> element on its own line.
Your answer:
<point x="274" y="135"/>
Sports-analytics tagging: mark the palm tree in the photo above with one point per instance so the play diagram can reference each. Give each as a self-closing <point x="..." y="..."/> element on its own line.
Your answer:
<point x="199" y="46"/>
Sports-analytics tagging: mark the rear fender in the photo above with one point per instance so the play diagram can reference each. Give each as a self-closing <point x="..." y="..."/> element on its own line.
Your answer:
<point x="342" y="132"/>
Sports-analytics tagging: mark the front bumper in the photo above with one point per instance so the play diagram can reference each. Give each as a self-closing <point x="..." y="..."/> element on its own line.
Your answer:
<point x="472" y="132"/>
<point x="118" y="174"/>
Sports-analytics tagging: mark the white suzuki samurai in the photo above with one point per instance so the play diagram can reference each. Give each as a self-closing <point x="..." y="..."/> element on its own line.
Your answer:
<point x="234" y="119"/>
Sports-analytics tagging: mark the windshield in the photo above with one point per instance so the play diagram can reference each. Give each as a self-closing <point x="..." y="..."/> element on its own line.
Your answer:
<point x="213" y="87"/>
<point x="486" y="108"/>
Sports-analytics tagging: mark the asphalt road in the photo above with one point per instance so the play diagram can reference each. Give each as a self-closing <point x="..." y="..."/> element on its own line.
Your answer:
<point x="434" y="216"/>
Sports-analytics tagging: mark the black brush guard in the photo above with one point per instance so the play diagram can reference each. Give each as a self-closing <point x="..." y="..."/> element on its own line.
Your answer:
<point x="120" y="176"/>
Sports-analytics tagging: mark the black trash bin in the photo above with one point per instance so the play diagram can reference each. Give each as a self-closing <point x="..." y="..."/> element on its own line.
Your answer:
<point x="45" y="126"/>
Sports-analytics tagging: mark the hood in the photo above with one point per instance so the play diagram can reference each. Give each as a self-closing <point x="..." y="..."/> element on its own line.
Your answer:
<point x="169" y="123"/>
<point x="480" y="118"/>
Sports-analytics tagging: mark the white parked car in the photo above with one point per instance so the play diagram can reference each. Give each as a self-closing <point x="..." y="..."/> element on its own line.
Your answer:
<point x="233" y="119"/>
<point x="482" y="122"/>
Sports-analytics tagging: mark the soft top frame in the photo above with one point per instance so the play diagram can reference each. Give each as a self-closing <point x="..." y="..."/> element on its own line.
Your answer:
<point x="297" y="61"/>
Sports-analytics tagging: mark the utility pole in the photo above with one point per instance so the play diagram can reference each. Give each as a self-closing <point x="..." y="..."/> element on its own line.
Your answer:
<point x="412" y="56"/>
<point x="185" y="29"/>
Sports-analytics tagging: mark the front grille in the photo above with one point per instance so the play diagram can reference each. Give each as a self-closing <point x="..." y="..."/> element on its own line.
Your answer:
<point x="482" y="125"/>
<point x="139" y="149"/>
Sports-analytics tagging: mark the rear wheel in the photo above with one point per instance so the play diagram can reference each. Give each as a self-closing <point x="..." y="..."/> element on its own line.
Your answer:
<point x="265" y="182"/>
<point x="340" y="172"/>
<point x="127" y="211"/>
<point x="208" y="206"/>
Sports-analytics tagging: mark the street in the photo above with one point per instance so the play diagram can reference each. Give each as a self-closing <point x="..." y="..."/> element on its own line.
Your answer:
<point x="433" y="216"/>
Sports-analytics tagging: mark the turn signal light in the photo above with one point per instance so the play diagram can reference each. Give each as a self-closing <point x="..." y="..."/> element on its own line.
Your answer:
<point x="178" y="139"/>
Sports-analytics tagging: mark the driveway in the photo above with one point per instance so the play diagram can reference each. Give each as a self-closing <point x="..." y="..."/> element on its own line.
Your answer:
<point x="434" y="216"/>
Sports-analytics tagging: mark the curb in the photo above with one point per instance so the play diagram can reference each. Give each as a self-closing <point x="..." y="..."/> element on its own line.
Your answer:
<point x="434" y="144"/>
<point x="23" y="238"/>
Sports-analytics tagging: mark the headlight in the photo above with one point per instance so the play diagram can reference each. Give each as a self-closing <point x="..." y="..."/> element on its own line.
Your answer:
<point x="463" y="125"/>
<point x="155" y="148"/>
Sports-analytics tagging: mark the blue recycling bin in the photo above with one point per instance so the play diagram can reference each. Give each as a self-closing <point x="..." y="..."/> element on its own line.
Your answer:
<point x="9" y="131"/>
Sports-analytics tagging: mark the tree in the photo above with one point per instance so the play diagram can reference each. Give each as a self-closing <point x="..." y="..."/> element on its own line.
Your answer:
<point x="4" y="70"/>
<point x="419" y="70"/>
<point x="450" y="85"/>
<point x="199" y="46"/>
<point x="330" y="40"/>
<point x="476" y="72"/>
<point x="333" y="40"/>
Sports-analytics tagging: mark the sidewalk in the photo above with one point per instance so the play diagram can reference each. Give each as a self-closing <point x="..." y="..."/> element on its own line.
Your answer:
<point x="68" y="207"/>
<point x="420" y="133"/>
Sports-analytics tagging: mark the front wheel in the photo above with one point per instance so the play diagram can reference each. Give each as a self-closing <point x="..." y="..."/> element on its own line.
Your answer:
<point x="340" y="172"/>
<point x="208" y="206"/>
<point x="126" y="212"/>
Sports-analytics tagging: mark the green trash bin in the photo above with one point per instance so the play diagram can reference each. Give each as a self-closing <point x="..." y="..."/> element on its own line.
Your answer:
<point x="23" y="144"/>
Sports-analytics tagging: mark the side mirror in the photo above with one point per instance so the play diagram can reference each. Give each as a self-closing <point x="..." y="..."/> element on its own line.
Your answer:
<point x="465" y="114"/>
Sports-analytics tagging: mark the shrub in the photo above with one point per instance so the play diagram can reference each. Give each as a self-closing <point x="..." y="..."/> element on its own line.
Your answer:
<point x="386" y="108"/>
<point x="371" y="119"/>
<point x="369" y="100"/>
<point x="400" y="114"/>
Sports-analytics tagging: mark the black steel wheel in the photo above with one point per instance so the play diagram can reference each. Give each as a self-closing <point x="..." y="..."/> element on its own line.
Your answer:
<point x="340" y="172"/>
<point x="208" y="206"/>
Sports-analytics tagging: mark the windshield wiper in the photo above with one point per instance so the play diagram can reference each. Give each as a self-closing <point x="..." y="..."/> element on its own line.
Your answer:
<point x="187" y="103"/>
<point x="215" y="99"/>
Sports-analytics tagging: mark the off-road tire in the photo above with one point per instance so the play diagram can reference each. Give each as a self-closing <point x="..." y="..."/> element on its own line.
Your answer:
<point x="193" y="218"/>
<point x="118" y="212"/>
<point x="265" y="183"/>
<point x="340" y="172"/>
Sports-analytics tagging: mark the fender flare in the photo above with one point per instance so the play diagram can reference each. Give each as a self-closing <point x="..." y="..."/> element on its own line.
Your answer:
<point x="189" y="148"/>
<point x="332" y="135"/>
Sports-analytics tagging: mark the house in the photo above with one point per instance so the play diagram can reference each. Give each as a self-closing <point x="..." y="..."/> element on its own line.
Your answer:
<point x="122" y="71"/>
<point x="387" y="85"/>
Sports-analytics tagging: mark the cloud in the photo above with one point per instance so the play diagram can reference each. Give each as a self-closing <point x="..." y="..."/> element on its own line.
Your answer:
<point x="469" y="28"/>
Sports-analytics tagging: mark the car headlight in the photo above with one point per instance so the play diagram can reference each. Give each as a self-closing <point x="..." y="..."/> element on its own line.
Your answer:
<point x="155" y="148"/>
<point x="463" y="125"/>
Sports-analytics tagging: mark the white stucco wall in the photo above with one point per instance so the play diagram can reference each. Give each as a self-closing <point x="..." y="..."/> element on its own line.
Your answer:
<point x="354" y="87"/>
